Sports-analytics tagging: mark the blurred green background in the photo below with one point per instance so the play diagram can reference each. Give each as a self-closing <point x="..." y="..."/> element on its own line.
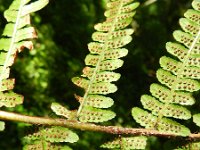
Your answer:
<point x="64" y="28"/>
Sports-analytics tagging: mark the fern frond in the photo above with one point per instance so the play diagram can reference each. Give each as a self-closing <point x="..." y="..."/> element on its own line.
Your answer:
<point x="104" y="58"/>
<point x="178" y="78"/>
<point x="16" y="36"/>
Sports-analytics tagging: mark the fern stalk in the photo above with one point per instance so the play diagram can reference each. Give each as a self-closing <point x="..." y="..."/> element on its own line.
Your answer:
<point x="10" y="116"/>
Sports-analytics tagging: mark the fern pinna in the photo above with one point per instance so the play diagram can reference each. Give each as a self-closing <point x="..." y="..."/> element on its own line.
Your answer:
<point x="16" y="36"/>
<point x="178" y="77"/>
<point x="104" y="58"/>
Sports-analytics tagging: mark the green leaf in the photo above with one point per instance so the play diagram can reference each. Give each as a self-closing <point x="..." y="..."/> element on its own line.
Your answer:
<point x="6" y="72"/>
<point x="196" y="119"/>
<point x="102" y="88"/>
<point x="54" y="134"/>
<point x="110" y="54"/>
<point x="115" y="53"/>
<point x="164" y="125"/>
<point x="7" y="84"/>
<point x="91" y="60"/>
<point x="103" y="37"/>
<point x="34" y="6"/>
<point x="97" y="101"/>
<point x="189" y="26"/>
<point x="167" y="96"/>
<point x="116" y="3"/>
<point x="167" y="110"/>
<point x="177" y="50"/>
<point x="184" y="38"/>
<point x="2" y="125"/>
<point x="108" y="25"/>
<point x="181" y="52"/>
<point x="193" y="15"/>
<point x="174" y="66"/>
<point x="81" y="82"/>
<point x="95" y="47"/>
<point x="3" y="58"/>
<point x="95" y="88"/>
<point x="25" y="33"/>
<point x="61" y="111"/>
<point x="103" y="76"/>
<point x="90" y="114"/>
<point x="171" y="81"/>
<point x="127" y="143"/>
<point x="43" y="145"/>
<point x="120" y="17"/>
<point x="10" y="99"/>
<point x="111" y="64"/>
<point x="196" y="5"/>
<point x="125" y="9"/>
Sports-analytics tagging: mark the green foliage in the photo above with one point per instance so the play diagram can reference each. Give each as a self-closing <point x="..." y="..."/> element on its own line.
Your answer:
<point x="177" y="78"/>
<point x="41" y="83"/>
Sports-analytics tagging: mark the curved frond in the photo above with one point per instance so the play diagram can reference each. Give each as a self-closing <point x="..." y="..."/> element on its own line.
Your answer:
<point x="179" y="78"/>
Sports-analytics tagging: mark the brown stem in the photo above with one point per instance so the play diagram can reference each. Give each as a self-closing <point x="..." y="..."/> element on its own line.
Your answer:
<point x="85" y="126"/>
